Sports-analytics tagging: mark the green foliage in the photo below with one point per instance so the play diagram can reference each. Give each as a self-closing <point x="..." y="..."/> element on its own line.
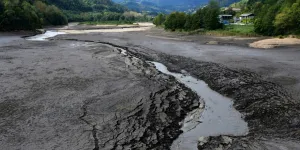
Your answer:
<point x="175" y="20"/>
<point x="288" y="20"/>
<point x="248" y="21"/>
<point x="28" y="15"/>
<point x="54" y="16"/>
<point x="234" y="30"/>
<point x="88" y="10"/>
<point x="207" y="17"/>
<point x="88" y="5"/>
<point x="211" y="16"/>
<point x="239" y="4"/>
<point x="276" y="17"/>
<point x="188" y="22"/>
<point x="264" y="22"/>
<point x="32" y="14"/>
<point x="159" y="19"/>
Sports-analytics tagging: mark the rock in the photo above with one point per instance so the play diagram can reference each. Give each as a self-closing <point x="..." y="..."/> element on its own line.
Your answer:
<point x="203" y="140"/>
<point x="221" y="147"/>
<point x="40" y="31"/>
<point x="226" y="140"/>
<point x="244" y="145"/>
<point x="212" y="43"/>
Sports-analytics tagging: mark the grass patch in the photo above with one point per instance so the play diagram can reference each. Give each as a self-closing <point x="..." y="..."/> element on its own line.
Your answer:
<point x="107" y="23"/>
<point x="228" y="30"/>
<point x="234" y="30"/>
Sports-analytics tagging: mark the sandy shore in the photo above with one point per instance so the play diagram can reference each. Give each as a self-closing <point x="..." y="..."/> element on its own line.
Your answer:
<point x="275" y="42"/>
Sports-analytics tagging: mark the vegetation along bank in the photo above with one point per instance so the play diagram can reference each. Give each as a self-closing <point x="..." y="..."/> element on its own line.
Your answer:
<point x="258" y="17"/>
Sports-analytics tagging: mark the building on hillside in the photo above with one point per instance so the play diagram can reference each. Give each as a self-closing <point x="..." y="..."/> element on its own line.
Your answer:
<point x="246" y="17"/>
<point x="225" y="19"/>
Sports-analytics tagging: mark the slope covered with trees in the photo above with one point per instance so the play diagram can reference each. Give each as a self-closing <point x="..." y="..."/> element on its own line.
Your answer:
<point x="28" y="14"/>
<point x="167" y="6"/>
<point x="276" y="17"/>
<point x="88" y="10"/>
<point x="32" y="14"/>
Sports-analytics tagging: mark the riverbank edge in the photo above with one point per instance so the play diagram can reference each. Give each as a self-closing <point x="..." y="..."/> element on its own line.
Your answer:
<point x="267" y="108"/>
<point x="222" y="37"/>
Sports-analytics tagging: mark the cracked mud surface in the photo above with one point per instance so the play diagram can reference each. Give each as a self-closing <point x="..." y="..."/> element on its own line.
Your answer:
<point x="79" y="92"/>
<point x="78" y="95"/>
<point x="270" y="107"/>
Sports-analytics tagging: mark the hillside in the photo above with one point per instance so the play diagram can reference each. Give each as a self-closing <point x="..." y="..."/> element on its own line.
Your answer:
<point x="32" y="14"/>
<point x="28" y="15"/>
<point x="276" y="17"/>
<point x="167" y="6"/>
<point x="87" y="5"/>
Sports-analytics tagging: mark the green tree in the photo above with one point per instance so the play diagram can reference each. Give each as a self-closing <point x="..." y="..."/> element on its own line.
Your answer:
<point x="264" y="24"/>
<point x="159" y="20"/>
<point x="197" y="20"/>
<point x="54" y="16"/>
<point x="175" y="20"/>
<point x="211" y="16"/>
<point x="288" y="20"/>
<point x="188" y="23"/>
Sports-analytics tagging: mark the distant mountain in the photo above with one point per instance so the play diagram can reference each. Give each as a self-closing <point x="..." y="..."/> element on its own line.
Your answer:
<point x="167" y="6"/>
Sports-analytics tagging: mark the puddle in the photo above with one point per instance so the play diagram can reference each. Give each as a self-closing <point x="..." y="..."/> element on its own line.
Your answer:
<point x="45" y="36"/>
<point x="217" y="118"/>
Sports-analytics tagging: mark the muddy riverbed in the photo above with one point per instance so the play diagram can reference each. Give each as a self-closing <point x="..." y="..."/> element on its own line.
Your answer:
<point x="95" y="90"/>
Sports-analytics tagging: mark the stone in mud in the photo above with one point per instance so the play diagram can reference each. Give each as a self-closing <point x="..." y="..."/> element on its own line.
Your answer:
<point x="40" y="31"/>
<point x="226" y="140"/>
<point x="202" y="141"/>
<point x="212" y="43"/>
<point x="215" y="143"/>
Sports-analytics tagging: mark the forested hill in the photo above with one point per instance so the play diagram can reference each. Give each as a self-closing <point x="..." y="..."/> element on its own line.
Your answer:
<point x="28" y="14"/>
<point x="32" y="14"/>
<point x="86" y="10"/>
<point x="87" y="5"/>
<point x="276" y="17"/>
<point x="167" y="6"/>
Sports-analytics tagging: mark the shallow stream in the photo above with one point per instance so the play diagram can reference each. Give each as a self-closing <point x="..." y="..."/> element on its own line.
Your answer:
<point x="45" y="36"/>
<point x="217" y="117"/>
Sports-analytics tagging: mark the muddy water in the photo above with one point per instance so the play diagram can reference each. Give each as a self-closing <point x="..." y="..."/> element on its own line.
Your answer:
<point x="217" y="118"/>
<point x="45" y="36"/>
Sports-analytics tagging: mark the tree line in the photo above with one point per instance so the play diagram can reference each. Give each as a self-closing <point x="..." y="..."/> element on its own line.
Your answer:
<point x="206" y="17"/>
<point x="128" y="16"/>
<point x="272" y="17"/>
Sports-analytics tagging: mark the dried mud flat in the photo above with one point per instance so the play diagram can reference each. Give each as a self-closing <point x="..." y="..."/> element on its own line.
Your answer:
<point x="78" y="95"/>
<point x="81" y="92"/>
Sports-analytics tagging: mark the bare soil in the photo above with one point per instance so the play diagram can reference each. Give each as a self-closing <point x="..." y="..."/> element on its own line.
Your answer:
<point x="275" y="42"/>
<point x="78" y="92"/>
